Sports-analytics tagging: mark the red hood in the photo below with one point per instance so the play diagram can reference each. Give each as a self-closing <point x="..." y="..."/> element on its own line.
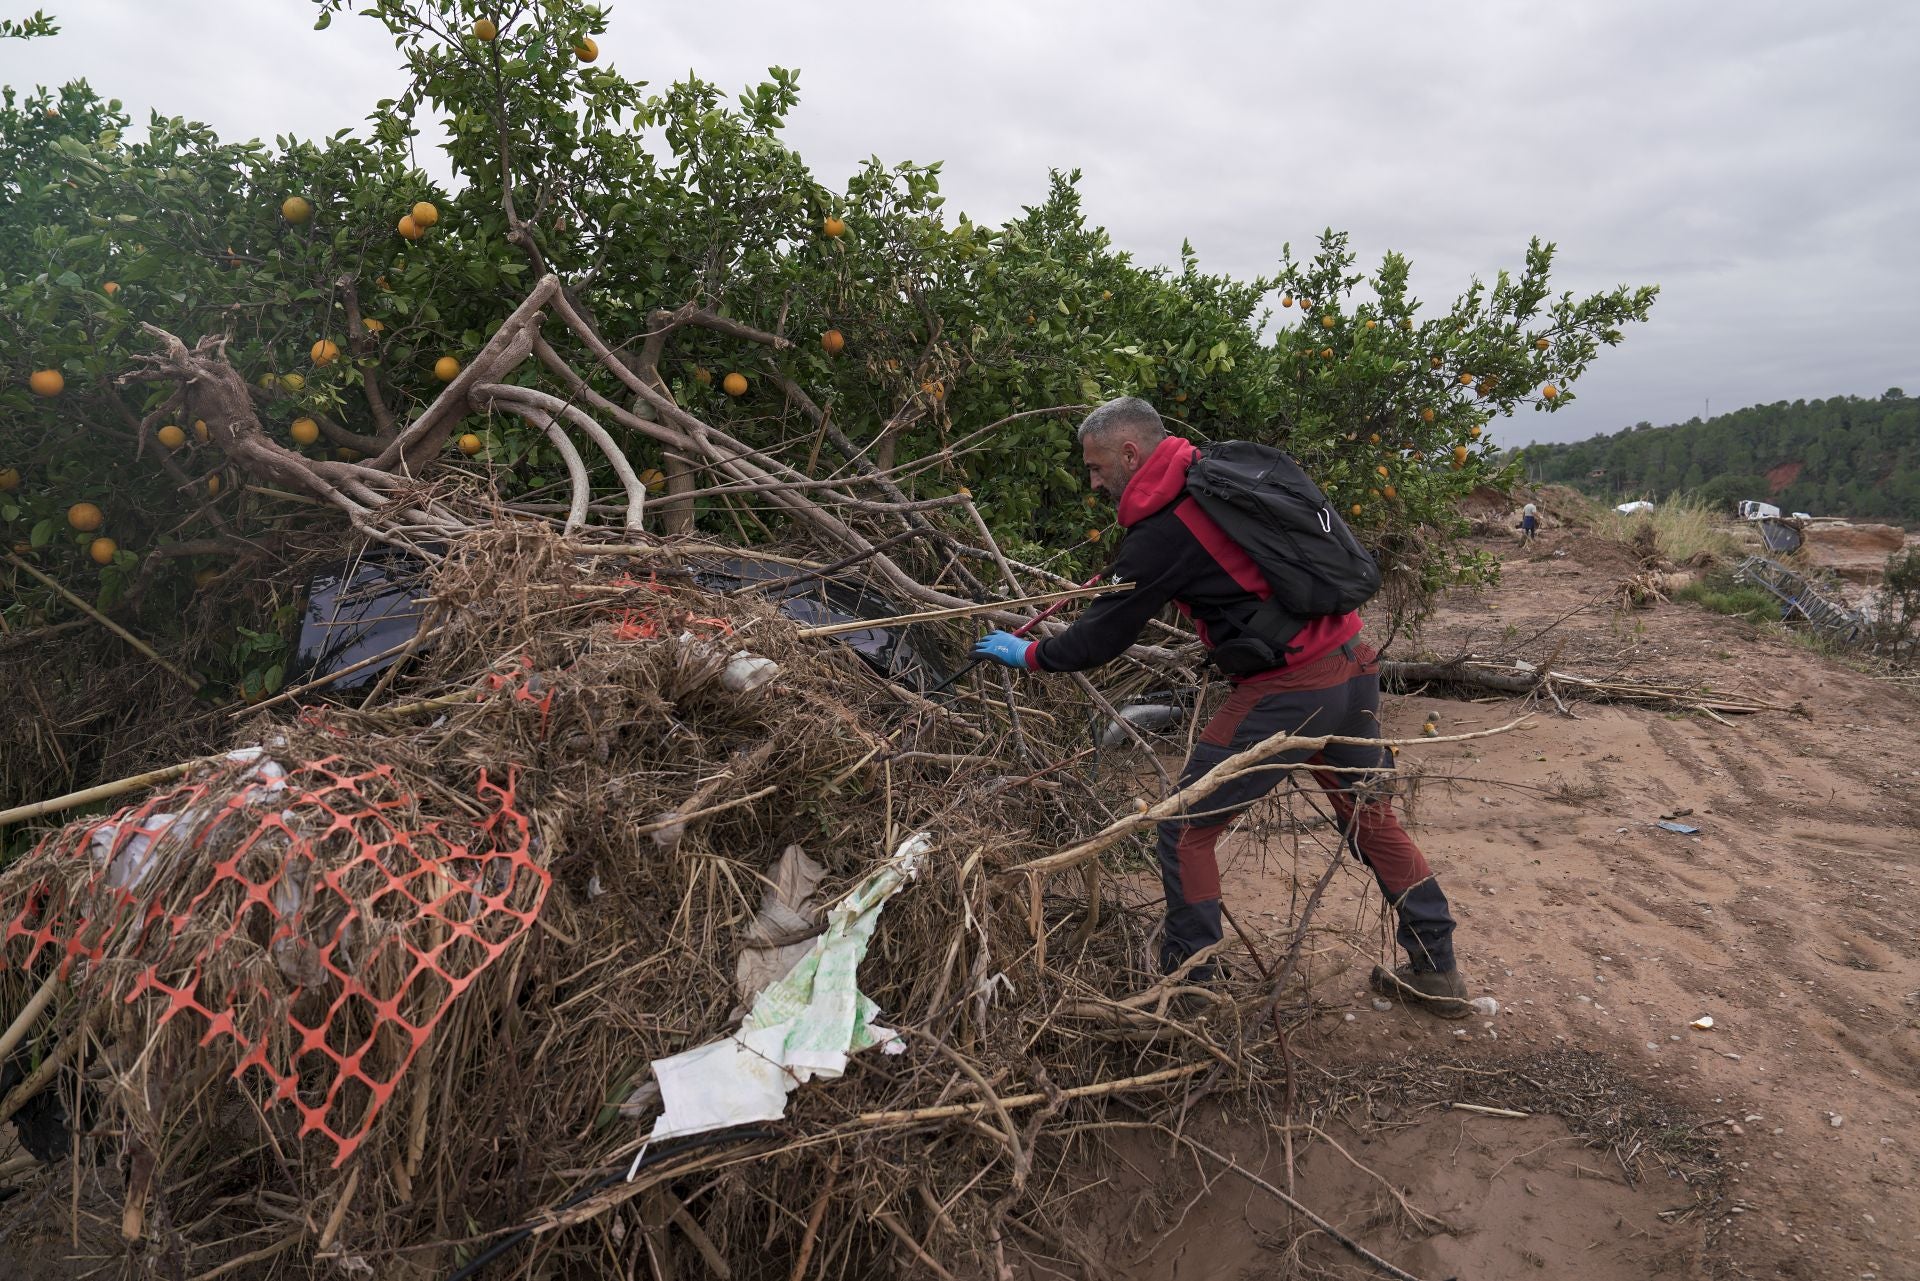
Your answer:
<point x="1159" y="481"/>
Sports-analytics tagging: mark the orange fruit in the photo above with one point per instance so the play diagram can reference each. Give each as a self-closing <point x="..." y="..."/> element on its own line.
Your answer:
<point x="1372" y="325"/>
<point x="1549" y="391"/>
<point x="446" y="369"/>
<point x="304" y="431"/>
<point x="1426" y="415"/>
<point x="734" y="384"/>
<point x="1373" y="493"/>
<point x="1381" y="469"/>
<point x="1459" y="455"/>
<point x="1474" y="431"/>
<point x="1326" y="322"/>
<point x="85" y="517"/>
<point x="1326" y="353"/>
<point x="1390" y="492"/>
<point x="1286" y="300"/>
<point x="296" y="209"/>
<point x="833" y="342"/>
<point x="373" y="326"/>
<point x="347" y="455"/>
<point x="1374" y="439"/>
<point x="111" y="288"/>
<point x="409" y="228"/>
<point x="1466" y="380"/>
<point x="703" y="375"/>
<point x="213" y="484"/>
<point x="9" y="480"/>
<point x="586" y="50"/>
<point x="325" y="352"/>
<point x="47" y="382"/>
<point x="424" y="214"/>
<point x="204" y="579"/>
<point x="102" y="550"/>
<point x="293" y="382"/>
<point x="1180" y="398"/>
<point x="833" y="227"/>
<point x="171" y="436"/>
<point x="1093" y="535"/>
<point x="470" y="444"/>
<point x="654" y="479"/>
<point x="1407" y="324"/>
<point x="1542" y="343"/>
<point x="1355" y="509"/>
<point x="484" y="29"/>
<point x="1435" y="362"/>
<point x="200" y="432"/>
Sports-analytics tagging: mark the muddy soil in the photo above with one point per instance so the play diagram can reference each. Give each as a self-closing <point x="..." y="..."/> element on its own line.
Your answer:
<point x="1788" y="919"/>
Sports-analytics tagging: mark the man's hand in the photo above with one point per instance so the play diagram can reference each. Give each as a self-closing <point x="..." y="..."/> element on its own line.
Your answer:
<point x="1004" y="648"/>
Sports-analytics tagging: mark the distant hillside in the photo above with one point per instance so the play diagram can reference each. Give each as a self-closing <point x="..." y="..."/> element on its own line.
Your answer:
<point x="1842" y="457"/>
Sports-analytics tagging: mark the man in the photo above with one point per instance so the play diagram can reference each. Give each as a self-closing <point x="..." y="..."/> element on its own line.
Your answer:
<point x="1529" y="524"/>
<point x="1326" y="683"/>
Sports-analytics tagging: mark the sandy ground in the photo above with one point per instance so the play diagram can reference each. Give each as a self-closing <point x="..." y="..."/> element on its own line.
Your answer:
<point x="1788" y="919"/>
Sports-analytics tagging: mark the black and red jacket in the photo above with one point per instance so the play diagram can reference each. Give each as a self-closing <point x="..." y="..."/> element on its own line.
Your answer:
<point x="1173" y="551"/>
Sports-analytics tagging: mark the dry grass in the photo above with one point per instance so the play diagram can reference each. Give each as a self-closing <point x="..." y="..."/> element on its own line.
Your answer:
<point x="1681" y="530"/>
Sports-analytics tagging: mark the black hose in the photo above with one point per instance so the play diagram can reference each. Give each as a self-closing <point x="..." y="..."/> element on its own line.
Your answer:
<point x="653" y="1157"/>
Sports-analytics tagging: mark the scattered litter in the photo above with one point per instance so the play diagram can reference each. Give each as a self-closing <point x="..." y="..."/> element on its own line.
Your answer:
<point x="1702" y="1024"/>
<point x="1681" y="828"/>
<point x="801" y="1027"/>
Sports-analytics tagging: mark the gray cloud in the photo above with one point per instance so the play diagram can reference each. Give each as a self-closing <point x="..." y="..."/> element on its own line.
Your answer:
<point x="1757" y="161"/>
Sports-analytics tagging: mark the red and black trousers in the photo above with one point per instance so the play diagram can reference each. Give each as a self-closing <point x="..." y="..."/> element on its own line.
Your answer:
<point x="1336" y="694"/>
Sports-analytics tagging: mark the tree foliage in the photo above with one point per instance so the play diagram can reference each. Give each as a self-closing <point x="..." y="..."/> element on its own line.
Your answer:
<point x="1846" y="456"/>
<point x="647" y="201"/>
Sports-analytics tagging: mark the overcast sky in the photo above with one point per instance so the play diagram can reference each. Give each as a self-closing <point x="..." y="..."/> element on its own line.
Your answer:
<point x="1760" y="161"/>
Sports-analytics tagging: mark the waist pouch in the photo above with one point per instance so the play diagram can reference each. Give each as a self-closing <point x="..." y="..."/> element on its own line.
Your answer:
<point x="1245" y="656"/>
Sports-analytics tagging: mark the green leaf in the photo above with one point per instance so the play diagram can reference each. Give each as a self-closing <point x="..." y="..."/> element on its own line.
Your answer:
<point x="42" y="533"/>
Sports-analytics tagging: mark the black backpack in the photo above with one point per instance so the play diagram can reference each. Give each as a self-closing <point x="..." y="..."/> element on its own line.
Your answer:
<point x="1263" y="501"/>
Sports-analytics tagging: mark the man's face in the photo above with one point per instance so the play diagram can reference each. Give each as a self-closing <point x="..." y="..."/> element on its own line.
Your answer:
<point x="1111" y="463"/>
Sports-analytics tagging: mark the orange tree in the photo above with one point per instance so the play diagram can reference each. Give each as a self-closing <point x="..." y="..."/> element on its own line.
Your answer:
<point x="862" y="327"/>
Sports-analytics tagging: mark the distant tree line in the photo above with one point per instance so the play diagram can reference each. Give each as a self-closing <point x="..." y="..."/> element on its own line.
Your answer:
<point x="1847" y="456"/>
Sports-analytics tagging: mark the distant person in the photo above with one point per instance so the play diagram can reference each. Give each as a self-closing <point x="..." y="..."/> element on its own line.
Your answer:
<point x="1316" y="679"/>
<point x="1529" y="524"/>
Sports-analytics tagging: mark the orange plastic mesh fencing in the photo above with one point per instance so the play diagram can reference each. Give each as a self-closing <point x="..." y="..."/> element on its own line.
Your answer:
<point x="309" y="918"/>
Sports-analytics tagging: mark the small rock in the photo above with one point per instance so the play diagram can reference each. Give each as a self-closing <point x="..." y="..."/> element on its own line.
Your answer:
<point x="1485" y="1005"/>
<point x="1460" y="1033"/>
<point x="1836" y="1120"/>
<point x="1733" y="1127"/>
<point x="1348" y="1017"/>
<point x="1734" y="1057"/>
<point x="1382" y="1004"/>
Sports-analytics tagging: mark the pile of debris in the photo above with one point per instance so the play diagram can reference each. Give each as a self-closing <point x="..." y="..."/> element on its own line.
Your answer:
<point x="400" y="987"/>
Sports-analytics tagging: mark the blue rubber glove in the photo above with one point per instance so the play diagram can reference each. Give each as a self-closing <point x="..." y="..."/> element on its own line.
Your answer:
<point x="1004" y="648"/>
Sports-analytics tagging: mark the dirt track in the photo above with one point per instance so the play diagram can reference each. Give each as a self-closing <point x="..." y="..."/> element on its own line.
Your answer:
<point x="1789" y="920"/>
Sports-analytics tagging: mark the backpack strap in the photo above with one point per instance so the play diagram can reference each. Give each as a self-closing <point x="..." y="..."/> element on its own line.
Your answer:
<point x="1261" y="617"/>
